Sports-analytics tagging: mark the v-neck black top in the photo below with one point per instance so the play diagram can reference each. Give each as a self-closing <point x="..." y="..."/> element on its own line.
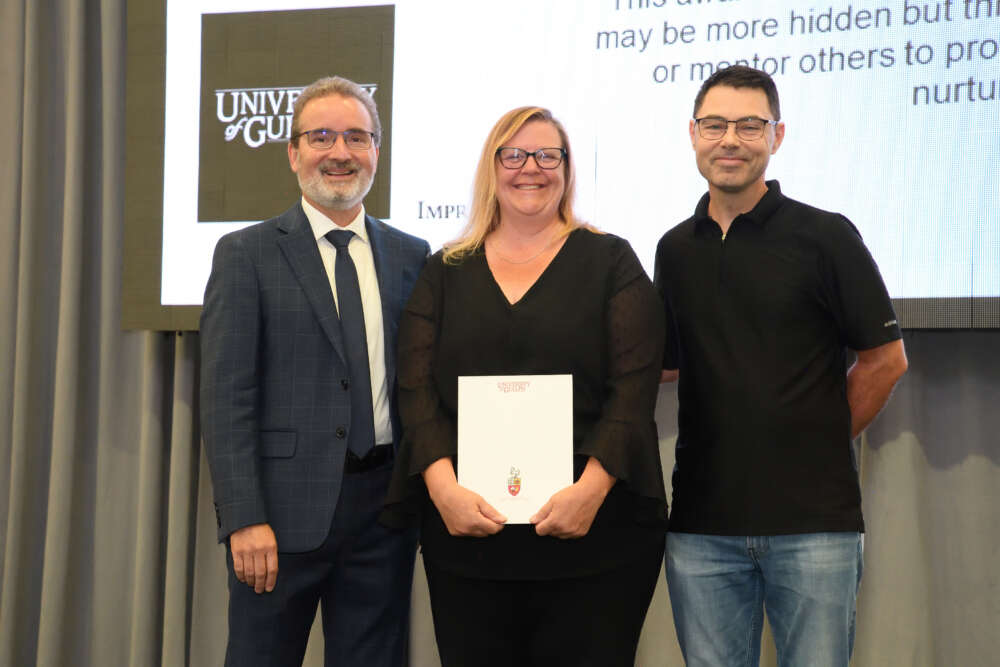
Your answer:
<point x="592" y="313"/>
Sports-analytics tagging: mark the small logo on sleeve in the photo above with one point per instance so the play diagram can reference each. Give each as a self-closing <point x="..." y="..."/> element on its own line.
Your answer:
<point x="889" y="323"/>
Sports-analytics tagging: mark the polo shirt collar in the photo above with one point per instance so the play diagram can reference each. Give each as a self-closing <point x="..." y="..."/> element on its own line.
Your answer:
<point x="759" y="214"/>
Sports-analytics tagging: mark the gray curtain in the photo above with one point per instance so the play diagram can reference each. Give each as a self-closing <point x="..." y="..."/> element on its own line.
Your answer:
<point x="107" y="547"/>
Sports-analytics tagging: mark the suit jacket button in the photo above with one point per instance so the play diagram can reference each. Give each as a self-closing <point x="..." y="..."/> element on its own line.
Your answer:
<point x="345" y="384"/>
<point x="341" y="432"/>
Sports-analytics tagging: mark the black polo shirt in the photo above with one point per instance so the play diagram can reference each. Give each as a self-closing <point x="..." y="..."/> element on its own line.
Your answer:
<point x="759" y="325"/>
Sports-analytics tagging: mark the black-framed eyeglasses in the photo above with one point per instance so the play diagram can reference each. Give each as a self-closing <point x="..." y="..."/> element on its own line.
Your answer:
<point x="546" y="158"/>
<point x="323" y="138"/>
<point x="714" y="128"/>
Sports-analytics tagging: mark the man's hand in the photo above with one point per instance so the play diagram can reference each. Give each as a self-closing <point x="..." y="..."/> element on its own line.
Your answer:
<point x="870" y="381"/>
<point x="255" y="556"/>
<point x="465" y="513"/>
<point x="570" y="512"/>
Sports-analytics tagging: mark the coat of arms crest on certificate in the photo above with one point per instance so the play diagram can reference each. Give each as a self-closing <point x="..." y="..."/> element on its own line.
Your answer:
<point x="514" y="481"/>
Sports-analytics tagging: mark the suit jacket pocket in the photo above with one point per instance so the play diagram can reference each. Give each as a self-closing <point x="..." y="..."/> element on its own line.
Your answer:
<point x="278" y="444"/>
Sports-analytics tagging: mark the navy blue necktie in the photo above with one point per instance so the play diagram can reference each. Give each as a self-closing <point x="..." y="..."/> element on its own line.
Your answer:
<point x="361" y="436"/>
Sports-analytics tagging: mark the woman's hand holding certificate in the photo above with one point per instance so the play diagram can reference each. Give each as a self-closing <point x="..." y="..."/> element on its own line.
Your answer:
<point x="464" y="512"/>
<point x="571" y="511"/>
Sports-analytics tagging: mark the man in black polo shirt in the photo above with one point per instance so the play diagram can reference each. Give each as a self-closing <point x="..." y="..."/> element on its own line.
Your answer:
<point x="764" y="295"/>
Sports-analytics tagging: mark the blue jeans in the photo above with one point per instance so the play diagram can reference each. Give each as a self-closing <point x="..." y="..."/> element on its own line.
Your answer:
<point x="720" y="587"/>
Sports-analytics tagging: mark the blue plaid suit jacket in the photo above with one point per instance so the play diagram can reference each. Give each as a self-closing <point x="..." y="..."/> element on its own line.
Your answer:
<point x="272" y="366"/>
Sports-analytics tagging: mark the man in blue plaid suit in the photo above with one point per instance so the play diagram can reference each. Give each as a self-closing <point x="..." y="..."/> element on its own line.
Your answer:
<point x="299" y="419"/>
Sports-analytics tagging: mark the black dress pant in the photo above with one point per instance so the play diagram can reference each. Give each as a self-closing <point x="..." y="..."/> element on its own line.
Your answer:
<point x="361" y="576"/>
<point x="576" y="622"/>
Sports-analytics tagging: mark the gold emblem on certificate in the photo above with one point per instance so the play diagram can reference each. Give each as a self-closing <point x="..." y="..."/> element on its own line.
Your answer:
<point x="514" y="481"/>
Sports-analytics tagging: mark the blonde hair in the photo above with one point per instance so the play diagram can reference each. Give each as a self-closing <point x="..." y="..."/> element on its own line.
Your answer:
<point x="484" y="212"/>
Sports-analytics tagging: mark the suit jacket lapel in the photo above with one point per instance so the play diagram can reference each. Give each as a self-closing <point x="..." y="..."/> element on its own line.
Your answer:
<point x="385" y="251"/>
<point x="300" y="249"/>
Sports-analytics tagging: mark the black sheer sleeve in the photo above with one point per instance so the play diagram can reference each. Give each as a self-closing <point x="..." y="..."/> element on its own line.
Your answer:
<point x="624" y="438"/>
<point x="428" y="432"/>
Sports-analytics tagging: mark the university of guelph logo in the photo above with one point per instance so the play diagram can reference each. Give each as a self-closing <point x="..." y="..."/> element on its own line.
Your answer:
<point x="514" y="481"/>
<point x="260" y="115"/>
<point x="245" y="108"/>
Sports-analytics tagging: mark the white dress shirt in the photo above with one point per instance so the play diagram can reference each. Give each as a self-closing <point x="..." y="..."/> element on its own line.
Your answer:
<point x="371" y="301"/>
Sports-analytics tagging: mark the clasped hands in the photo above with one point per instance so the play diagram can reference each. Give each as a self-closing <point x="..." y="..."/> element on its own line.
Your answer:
<point x="568" y="514"/>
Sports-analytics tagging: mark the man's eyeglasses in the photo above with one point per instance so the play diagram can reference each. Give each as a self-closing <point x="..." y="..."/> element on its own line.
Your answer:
<point x="323" y="138"/>
<point x="546" y="158"/>
<point x="714" y="128"/>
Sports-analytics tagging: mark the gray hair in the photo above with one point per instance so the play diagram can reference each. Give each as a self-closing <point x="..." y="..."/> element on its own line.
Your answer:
<point x="335" y="85"/>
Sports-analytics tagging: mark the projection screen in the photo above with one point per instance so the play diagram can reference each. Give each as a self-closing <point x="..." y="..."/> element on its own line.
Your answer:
<point x="891" y="113"/>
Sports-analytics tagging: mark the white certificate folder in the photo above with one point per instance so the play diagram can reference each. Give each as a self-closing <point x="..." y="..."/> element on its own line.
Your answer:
<point x="515" y="439"/>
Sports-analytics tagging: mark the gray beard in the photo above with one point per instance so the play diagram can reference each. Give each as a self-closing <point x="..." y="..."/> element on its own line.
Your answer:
<point x="337" y="198"/>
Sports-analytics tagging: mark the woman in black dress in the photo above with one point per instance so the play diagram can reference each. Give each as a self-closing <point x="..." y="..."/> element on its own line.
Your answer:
<point x="529" y="289"/>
